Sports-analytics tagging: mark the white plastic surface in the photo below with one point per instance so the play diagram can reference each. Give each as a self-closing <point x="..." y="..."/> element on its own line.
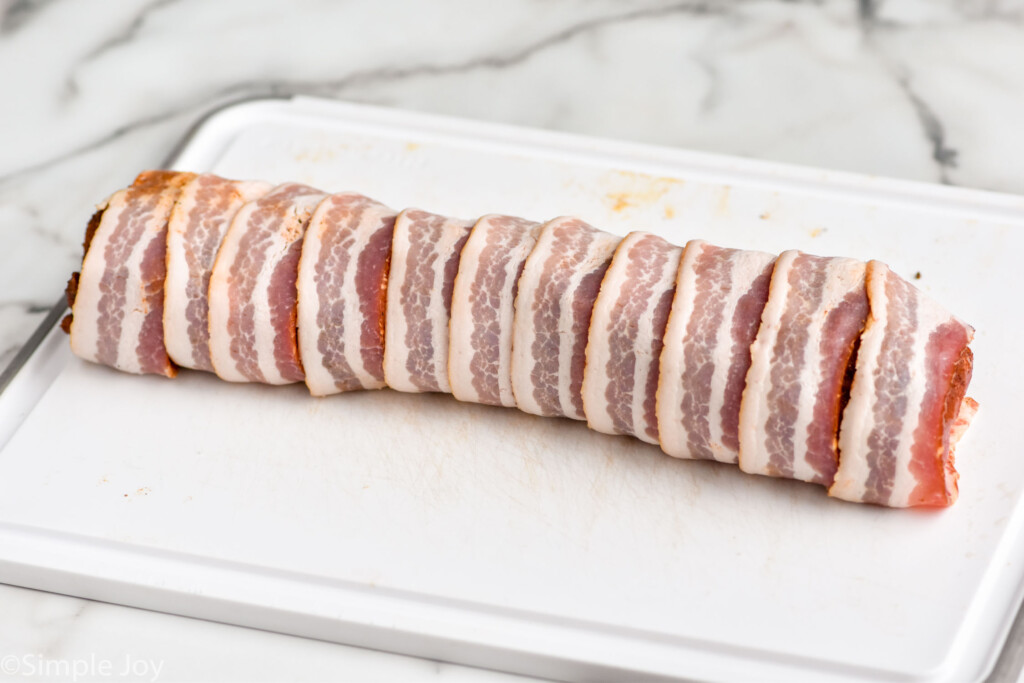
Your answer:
<point x="483" y="535"/>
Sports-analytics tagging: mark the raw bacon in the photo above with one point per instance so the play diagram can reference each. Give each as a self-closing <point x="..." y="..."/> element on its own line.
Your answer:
<point x="195" y="230"/>
<point x="117" y="314"/>
<point x="252" y="289"/>
<point x="716" y="312"/>
<point x="827" y="370"/>
<point x="907" y="406"/>
<point x="425" y="258"/>
<point x="556" y="295"/>
<point x="620" y="380"/>
<point x="343" y="276"/>
<point x="789" y="416"/>
<point x="480" y="347"/>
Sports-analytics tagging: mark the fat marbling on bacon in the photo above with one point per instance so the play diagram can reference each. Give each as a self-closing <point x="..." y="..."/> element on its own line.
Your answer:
<point x="253" y="297"/>
<point x="716" y="312"/>
<point x="425" y="259"/>
<point x="907" y="404"/>
<point x="195" y="230"/>
<point x="823" y="369"/>
<point x="789" y="415"/>
<point x="557" y="290"/>
<point x="118" y="300"/>
<point x="620" y="379"/>
<point x="483" y="309"/>
<point x="343" y="276"/>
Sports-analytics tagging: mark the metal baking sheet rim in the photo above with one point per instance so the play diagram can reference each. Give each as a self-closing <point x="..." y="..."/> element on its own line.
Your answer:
<point x="29" y="374"/>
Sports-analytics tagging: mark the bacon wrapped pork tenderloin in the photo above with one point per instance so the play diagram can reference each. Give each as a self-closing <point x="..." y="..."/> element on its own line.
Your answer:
<point x="826" y="370"/>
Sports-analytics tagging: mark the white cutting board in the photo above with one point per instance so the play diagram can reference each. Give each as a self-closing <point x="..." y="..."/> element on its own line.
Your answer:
<point x="418" y="524"/>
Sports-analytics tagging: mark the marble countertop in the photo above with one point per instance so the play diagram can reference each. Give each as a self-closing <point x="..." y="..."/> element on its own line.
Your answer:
<point x="915" y="89"/>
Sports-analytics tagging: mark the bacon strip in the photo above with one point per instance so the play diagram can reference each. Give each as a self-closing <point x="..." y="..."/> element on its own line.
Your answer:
<point x="720" y="294"/>
<point x="620" y="379"/>
<point x="117" y="315"/>
<point x="557" y="290"/>
<point x="907" y="407"/>
<point x="342" y="285"/>
<point x="480" y="347"/>
<point x="196" y="227"/>
<point x="253" y="292"/>
<point x="425" y="255"/>
<point x="789" y="416"/>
